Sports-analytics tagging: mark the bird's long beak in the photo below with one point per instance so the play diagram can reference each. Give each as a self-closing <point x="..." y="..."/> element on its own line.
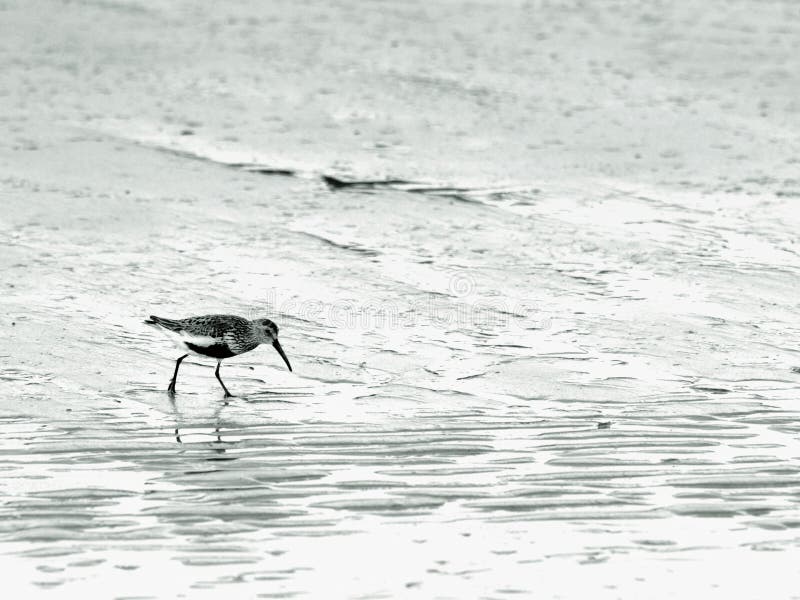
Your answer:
<point x="277" y="345"/>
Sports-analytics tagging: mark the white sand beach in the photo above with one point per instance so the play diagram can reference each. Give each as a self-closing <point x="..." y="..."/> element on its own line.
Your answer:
<point x="547" y="345"/>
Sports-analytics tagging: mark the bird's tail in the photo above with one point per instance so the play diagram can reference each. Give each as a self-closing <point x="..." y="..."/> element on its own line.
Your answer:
<point x="162" y="322"/>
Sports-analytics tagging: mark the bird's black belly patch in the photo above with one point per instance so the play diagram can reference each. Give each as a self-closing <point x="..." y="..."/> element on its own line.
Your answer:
<point x="214" y="351"/>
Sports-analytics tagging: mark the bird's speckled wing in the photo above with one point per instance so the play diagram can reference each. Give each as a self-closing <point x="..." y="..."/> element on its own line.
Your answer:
<point x="219" y="336"/>
<point x="215" y="326"/>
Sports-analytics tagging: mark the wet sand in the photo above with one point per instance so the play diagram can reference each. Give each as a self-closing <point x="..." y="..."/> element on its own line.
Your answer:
<point x="552" y="352"/>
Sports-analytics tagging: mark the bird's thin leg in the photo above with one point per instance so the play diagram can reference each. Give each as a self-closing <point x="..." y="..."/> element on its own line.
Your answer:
<point x="227" y="393"/>
<point x="171" y="388"/>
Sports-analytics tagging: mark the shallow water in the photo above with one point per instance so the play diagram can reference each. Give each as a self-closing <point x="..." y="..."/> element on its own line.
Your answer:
<point x="505" y="385"/>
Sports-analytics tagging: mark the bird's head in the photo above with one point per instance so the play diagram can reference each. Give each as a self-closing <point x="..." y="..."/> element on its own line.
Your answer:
<point x="268" y="333"/>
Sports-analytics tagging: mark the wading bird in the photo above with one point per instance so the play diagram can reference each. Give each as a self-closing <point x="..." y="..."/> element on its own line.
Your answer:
<point x="217" y="336"/>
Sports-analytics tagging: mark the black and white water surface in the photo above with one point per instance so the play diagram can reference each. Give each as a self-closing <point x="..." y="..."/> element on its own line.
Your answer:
<point x="546" y="346"/>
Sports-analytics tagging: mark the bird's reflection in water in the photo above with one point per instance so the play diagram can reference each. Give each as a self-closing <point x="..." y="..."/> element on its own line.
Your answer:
<point x="219" y="445"/>
<point x="216" y="418"/>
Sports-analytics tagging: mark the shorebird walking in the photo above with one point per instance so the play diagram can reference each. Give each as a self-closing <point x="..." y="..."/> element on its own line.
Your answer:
<point x="217" y="336"/>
